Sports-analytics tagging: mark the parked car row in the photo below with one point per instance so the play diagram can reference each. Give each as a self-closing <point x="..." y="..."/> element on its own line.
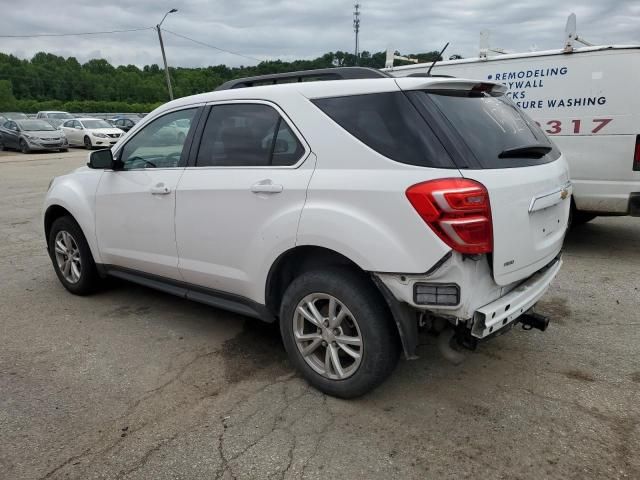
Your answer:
<point x="57" y="130"/>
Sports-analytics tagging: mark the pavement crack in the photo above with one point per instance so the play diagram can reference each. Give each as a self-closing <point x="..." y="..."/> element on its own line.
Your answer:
<point x="145" y="458"/>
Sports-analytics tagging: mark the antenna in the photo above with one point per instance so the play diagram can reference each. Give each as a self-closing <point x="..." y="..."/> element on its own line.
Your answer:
<point x="571" y="35"/>
<point x="437" y="58"/>
<point x="356" y="28"/>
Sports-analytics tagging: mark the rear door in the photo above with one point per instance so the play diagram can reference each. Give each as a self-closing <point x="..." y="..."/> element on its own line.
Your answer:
<point x="524" y="173"/>
<point x="239" y="201"/>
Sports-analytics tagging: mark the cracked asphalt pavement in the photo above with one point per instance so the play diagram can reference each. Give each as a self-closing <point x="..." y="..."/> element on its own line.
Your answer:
<point x="131" y="383"/>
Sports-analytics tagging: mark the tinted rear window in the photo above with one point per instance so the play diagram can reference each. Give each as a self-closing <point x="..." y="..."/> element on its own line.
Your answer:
<point x="389" y="124"/>
<point x="491" y="124"/>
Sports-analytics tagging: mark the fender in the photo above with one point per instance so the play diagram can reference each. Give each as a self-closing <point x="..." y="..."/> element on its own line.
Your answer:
<point x="76" y="194"/>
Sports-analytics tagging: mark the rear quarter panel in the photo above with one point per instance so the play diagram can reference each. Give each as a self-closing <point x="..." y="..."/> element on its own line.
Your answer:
<point x="356" y="203"/>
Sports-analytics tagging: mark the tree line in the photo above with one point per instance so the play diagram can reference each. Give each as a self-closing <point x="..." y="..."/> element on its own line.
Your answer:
<point x="51" y="82"/>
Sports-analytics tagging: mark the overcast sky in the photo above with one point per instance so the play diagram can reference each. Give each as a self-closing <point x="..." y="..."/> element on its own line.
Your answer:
<point x="286" y="29"/>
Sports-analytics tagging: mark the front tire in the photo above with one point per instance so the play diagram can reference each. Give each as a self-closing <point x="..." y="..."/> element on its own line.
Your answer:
<point x="87" y="143"/>
<point x="24" y="148"/>
<point x="338" y="332"/>
<point x="71" y="257"/>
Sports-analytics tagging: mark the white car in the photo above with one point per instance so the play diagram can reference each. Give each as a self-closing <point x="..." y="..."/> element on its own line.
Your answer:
<point x="91" y="133"/>
<point x="351" y="211"/>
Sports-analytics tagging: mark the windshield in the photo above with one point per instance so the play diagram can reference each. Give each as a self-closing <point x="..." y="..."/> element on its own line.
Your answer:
<point x="491" y="125"/>
<point x="35" y="126"/>
<point x="61" y="115"/>
<point x="90" y="124"/>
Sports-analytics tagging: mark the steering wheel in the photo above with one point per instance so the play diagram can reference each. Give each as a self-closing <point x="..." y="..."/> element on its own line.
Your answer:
<point x="173" y="158"/>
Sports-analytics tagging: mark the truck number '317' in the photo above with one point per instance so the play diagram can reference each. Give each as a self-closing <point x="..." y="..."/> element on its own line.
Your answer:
<point x="574" y="127"/>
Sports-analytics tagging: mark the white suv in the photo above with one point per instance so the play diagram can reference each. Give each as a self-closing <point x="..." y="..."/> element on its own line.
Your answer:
<point x="350" y="211"/>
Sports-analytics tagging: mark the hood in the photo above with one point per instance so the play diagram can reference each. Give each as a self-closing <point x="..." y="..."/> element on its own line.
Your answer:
<point x="106" y="131"/>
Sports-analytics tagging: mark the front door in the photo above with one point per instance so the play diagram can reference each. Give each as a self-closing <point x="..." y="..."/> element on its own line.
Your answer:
<point x="135" y="205"/>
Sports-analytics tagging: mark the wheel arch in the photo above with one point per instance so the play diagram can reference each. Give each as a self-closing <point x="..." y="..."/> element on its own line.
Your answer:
<point x="303" y="258"/>
<point x="58" y="209"/>
<point x="292" y="263"/>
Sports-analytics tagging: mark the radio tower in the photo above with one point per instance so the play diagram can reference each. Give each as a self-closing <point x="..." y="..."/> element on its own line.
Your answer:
<point x="356" y="28"/>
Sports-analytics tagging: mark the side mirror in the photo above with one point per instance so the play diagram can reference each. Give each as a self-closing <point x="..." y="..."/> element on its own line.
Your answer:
<point x="101" y="159"/>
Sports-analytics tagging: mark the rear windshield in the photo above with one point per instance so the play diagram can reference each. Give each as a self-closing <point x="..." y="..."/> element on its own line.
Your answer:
<point x="492" y="124"/>
<point x="389" y="124"/>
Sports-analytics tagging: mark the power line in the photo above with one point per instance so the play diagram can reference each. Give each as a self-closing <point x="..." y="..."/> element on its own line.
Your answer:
<point x="38" y="35"/>
<point x="211" y="46"/>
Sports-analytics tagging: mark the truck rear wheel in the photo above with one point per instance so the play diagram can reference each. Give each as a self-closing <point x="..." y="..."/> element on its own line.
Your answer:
<point x="579" y="218"/>
<point x="338" y="332"/>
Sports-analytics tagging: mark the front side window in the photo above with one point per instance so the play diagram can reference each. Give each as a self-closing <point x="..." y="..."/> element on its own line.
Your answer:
<point x="247" y="135"/>
<point x="158" y="144"/>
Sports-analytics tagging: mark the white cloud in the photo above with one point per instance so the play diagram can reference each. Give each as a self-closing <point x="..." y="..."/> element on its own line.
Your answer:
<point x="288" y="29"/>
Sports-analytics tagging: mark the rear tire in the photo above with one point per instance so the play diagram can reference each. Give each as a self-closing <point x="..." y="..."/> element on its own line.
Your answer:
<point x="363" y="343"/>
<point x="2" y="147"/>
<point x="71" y="257"/>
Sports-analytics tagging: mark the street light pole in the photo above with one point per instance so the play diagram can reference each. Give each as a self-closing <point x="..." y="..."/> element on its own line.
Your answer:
<point x="164" y="57"/>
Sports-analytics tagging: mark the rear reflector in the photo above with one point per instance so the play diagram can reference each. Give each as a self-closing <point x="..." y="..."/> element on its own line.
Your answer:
<point x="636" y="155"/>
<point x="457" y="210"/>
<point x="436" y="294"/>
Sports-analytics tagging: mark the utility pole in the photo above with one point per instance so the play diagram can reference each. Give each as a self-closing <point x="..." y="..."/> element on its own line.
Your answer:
<point x="164" y="57"/>
<point x="356" y="28"/>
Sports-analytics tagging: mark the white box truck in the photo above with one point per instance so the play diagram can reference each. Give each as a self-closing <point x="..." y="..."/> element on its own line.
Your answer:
<point x="586" y="99"/>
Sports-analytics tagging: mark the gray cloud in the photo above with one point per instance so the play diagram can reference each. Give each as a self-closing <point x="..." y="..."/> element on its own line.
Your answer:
<point x="288" y="29"/>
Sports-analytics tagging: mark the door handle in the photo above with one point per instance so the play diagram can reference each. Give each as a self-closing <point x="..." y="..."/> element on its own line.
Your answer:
<point x="160" y="189"/>
<point x="266" y="187"/>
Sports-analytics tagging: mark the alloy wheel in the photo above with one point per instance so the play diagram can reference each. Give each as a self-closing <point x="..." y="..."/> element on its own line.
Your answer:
<point x="327" y="336"/>
<point x="67" y="256"/>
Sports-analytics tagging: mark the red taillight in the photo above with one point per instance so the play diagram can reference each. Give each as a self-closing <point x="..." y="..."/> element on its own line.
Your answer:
<point x="457" y="210"/>
<point x="636" y="155"/>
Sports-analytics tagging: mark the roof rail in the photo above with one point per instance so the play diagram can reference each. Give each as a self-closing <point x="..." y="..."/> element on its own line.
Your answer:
<point x="337" y="73"/>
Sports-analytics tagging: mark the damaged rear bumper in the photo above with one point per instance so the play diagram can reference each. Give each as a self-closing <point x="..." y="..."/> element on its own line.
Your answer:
<point x="501" y="312"/>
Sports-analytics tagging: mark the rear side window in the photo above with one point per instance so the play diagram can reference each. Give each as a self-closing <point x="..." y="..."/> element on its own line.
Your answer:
<point x="247" y="135"/>
<point x="490" y="125"/>
<point x="389" y="124"/>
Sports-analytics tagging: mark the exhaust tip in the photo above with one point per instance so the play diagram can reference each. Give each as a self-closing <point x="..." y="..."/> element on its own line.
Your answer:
<point x="534" y="320"/>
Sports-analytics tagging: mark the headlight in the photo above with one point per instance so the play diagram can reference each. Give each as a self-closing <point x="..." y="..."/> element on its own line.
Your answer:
<point x="99" y="135"/>
<point x="29" y="137"/>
